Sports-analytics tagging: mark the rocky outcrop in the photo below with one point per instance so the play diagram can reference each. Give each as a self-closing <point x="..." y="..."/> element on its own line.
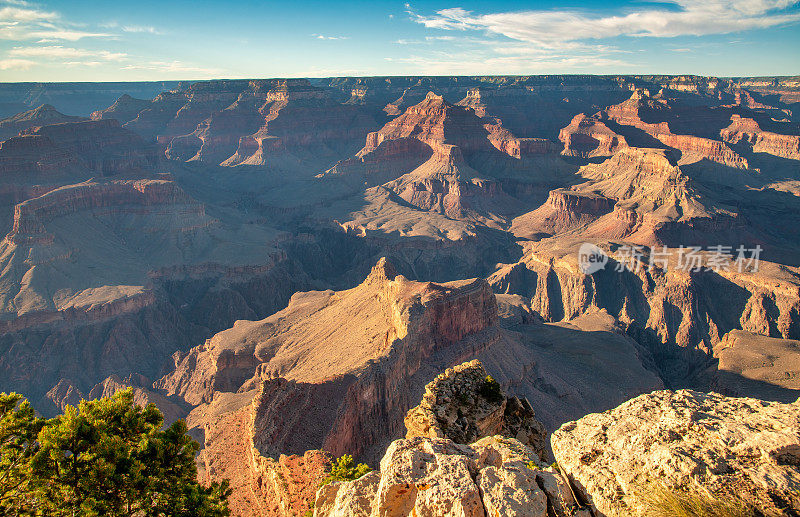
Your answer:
<point x="39" y="116"/>
<point x="374" y="338"/>
<point x="436" y="476"/>
<point x="442" y="469"/>
<point x="124" y="109"/>
<point x="32" y="216"/>
<point x="95" y="147"/>
<point x="564" y="210"/>
<point x="587" y="137"/>
<point x="689" y="443"/>
<point x="465" y="404"/>
<point x="642" y="106"/>
<point x="747" y="131"/>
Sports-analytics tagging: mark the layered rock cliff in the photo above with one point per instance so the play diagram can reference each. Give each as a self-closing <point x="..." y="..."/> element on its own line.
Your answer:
<point x="642" y="107"/>
<point x="587" y="137"/>
<point x="376" y="336"/>
<point x="92" y="147"/>
<point x="672" y="312"/>
<point x="39" y="116"/>
<point x="747" y="131"/>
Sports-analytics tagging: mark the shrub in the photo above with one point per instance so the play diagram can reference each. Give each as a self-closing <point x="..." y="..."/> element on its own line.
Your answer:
<point x="491" y="390"/>
<point x="345" y="469"/>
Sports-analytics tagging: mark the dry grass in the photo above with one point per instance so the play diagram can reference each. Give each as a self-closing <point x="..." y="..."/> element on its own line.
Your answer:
<point x="668" y="503"/>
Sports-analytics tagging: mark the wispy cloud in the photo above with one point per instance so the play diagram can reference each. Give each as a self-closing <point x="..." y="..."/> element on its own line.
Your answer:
<point x="140" y="29"/>
<point x="21" y="13"/>
<point x="59" y="52"/>
<point x="571" y="40"/>
<point x="324" y="37"/>
<point x="427" y="40"/>
<point x="471" y="63"/>
<point x="16" y="64"/>
<point x="22" y="22"/>
<point x="132" y="29"/>
<point x="82" y="63"/>
<point x="174" y="67"/>
<point x="692" y="17"/>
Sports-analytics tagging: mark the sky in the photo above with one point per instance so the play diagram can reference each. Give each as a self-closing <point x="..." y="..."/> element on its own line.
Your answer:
<point x="124" y="40"/>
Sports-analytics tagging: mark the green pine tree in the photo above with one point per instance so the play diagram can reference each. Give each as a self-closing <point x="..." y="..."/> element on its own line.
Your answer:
<point x="109" y="457"/>
<point x="19" y="427"/>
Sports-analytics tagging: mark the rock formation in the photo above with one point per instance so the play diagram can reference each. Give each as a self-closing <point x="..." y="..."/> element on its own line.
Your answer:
<point x="588" y="137"/>
<point x="441" y="157"/>
<point x="93" y="147"/>
<point x="39" y="116"/>
<point x="438" y="469"/>
<point x="749" y="364"/>
<point x="670" y="311"/>
<point x="63" y="284"/>
<point x="373" y="338"/>
<point x="465" y="404"/>
<point x="748" y="132"/>
<point x="124" y="109"/>
<point x="691" y="443"/>
<point x="338" y="371"/>
<point x="642" y="106"/>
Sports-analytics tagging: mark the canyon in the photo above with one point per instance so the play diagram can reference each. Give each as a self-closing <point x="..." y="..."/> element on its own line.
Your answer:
<point x="288" y="263"/>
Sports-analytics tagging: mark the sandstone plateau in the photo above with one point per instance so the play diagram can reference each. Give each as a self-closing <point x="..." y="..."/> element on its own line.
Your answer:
<point x="288" y="264"/>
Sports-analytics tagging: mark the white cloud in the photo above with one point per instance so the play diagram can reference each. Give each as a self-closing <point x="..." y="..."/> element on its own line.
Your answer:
<point x="173" y="67"/>
<point x="82" y="63"/>
<point x="140" y="29"/>
<point x="24" y="14"/>
<point x="324" y="37"/>
<point x="20" y="22"/>
<point x="16" y="64"/>
<point x="59" y="52"/>
<point x="692" y="17"/>
<point x="478" y="64"/>
<point x="570" y="40"/>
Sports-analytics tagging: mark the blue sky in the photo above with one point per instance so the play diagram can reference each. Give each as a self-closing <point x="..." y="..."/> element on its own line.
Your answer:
<point x="127" y="40"/>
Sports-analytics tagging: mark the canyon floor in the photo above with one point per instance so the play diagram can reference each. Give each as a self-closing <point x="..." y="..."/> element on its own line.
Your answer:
<point x="287" y="263"/>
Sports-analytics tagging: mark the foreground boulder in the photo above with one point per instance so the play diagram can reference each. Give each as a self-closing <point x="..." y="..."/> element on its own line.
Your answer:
<point x="438" y="477"/>
<point x="685" y="442"/>
<point x="465" y="404"/>
<point x="434" y="472"/>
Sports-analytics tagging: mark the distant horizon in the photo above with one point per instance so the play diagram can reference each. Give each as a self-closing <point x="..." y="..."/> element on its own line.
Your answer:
<point x="211" y="79"/>
<point x="151" y="40"/>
